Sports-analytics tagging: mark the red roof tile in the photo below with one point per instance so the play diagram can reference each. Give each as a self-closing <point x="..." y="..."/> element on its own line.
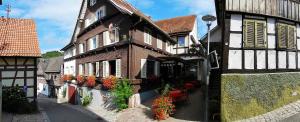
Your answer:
<point x="178" y="24"/>
<point x="18" y="37"/>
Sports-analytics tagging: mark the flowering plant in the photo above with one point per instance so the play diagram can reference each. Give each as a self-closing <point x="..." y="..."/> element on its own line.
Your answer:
<point x="66" y="78"/>
<point x="80" y="80"/>
<point x="109" y="82"/>
<point x="91" y="81"/>
<point x="162" y="107"/>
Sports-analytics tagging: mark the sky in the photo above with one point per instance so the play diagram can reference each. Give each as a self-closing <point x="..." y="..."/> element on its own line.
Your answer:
<point x="56" y="19"/>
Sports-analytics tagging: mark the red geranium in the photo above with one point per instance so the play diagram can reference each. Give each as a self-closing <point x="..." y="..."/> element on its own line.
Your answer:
<point x="91" y="81"/>
<point x="66" y="77"/>
<point x="162" y="107"/>
<point x="80" y="79"/>
<point x="109" y="82"/>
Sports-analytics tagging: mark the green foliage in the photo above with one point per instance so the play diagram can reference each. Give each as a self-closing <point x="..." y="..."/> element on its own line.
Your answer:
<point x="15" y="101"/>
<point x="166" y="90"/>
<point x="64" y="92"/>
<point x="86" y="100"/>
<point x="122" y="91"/>
<point x="52" y="54"/>
<point x="245" y="96"/>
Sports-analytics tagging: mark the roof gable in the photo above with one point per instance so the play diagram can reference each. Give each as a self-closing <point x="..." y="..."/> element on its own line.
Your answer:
<point x="18" y="37"/>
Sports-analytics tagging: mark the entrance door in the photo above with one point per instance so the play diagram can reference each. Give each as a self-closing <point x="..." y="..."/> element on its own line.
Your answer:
<point x="71" y="94"/>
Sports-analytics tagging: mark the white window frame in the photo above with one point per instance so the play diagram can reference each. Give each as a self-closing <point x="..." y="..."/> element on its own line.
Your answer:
<point x="159" y="42"/>
<point x="102" y="9"/>
<point x="93" y="2"/>
<point x="81" y="48"/>
<point x="147" y="36"/>
<point x="80" y="69"/>
<point x="87" y="22"/>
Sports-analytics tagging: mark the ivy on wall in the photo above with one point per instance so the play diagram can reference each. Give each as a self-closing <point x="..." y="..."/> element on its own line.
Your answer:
<point x="245" y="96"/>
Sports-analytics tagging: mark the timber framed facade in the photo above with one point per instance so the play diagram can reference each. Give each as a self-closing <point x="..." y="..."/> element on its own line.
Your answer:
<point x="258" y="38"/>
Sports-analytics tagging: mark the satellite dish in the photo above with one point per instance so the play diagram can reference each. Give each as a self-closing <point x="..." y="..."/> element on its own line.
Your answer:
<point x="213" y="59"/>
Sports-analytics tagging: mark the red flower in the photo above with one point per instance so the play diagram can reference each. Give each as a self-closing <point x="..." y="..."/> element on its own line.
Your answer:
<point x="109" y="82"/>
<point x="80" y="79"/>
<point x="91" y="81"/>
<point x="162" y="107"/>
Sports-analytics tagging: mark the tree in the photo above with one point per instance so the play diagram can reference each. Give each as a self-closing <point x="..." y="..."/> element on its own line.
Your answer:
<point x="52" y="54"/>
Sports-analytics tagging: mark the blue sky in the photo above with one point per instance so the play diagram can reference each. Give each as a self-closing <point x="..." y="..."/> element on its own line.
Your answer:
<point x="56" y="19"/>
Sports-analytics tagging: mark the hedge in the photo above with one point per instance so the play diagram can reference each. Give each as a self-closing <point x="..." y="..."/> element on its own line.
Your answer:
<point x="246" y="96"/>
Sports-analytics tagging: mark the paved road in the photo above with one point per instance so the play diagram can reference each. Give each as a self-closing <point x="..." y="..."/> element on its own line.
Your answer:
<point x="62" y="113"/>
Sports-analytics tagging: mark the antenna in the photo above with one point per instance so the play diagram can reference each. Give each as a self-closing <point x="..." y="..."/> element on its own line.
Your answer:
<point x="8" y="10"/>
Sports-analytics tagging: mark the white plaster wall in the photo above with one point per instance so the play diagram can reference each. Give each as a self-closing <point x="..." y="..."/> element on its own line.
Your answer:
<point x="292" y="60"/>
<point x="298" y="44"/>
<point x="235" y="40"/>
<point x="43" y="89"/>
<point x="249" y="59"/>
<point x="261" y="59"/>
<point x="271" y="42"/>
<point x="271" y="25"/>
<point x="271" y="59"/>
<point x="236" y="22"/>
<point x="194" y="33"/>
<point x="298" y="60"/>
<point x="235" y="59"/>
<point x="68" y="70"/>
<point x="282" y="60"/>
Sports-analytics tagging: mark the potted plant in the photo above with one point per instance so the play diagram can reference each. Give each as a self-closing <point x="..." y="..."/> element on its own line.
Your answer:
<point x="91" y="81"/>
<point x="80" y="80"/>
<point x="109" y="82"/>
<point x="162" y="107"/>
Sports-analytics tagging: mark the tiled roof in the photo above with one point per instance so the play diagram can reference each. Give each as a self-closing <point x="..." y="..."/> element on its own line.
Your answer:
<point x="178" y="24"/>
<point x="54" y="64"/>
<point x="18" y="37"/>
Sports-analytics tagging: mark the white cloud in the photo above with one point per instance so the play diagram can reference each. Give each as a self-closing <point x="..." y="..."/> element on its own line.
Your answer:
<point x="62" y="13"/>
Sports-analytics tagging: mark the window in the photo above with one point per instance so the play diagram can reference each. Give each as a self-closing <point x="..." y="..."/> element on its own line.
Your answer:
<point x="100" y="13"/>
<point x="112" y="68"/>
<point x="149" y="68"/>
<point x="286" y="36"/>
<point x="181" y="41"/>
<point x="81" y="48"/>
<point x="93" y="42"/>
<point x="113" y="34"/>
<point x="147" y="37"/>
<point x="159" y="42"/>
<point x="254" y="33"/>
<point x="169" y="47"/>
<point x="92" y="2"/>
<point x="80" y="69"/>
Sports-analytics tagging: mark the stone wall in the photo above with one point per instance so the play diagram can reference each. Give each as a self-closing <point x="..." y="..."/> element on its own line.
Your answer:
<point x="247" y="95"/>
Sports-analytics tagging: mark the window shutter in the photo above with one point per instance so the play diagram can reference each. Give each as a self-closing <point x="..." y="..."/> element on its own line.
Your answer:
<point x="157" y="68"/>
<point x="260" y="34"/>
<point x="282" y="35"/>
<point x="97" y="41"/>
<point x="143" y="68"/>
<point x="86" y="69"/>
<point x="105" y="69"/>
<point x="80" y="69"/>
<point x="249" y="33"/>
<point x="91" y="69"/>
<point x="291" y="37"/>
<point x="145" y="37"/>
<point x="118" y="68"/>
<point x="90" y="43"/>
<point x="104" y="38"/>
<point x="97" y="69"/>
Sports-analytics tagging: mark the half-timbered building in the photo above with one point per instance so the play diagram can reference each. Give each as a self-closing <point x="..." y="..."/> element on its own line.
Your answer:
<point x="19" y="50"/>
<point x="260" y="43"/>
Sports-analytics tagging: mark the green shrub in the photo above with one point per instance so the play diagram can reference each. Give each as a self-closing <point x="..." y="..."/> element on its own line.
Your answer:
<point x="14" y="101"/>
<point x="86" y="100"/>
<point x="245" y="96"/>
<point x="121" y="93"/>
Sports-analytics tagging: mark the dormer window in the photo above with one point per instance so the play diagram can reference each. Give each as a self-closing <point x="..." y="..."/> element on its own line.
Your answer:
<point x="100" y="13"/>
<point x="93" y="2"/>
